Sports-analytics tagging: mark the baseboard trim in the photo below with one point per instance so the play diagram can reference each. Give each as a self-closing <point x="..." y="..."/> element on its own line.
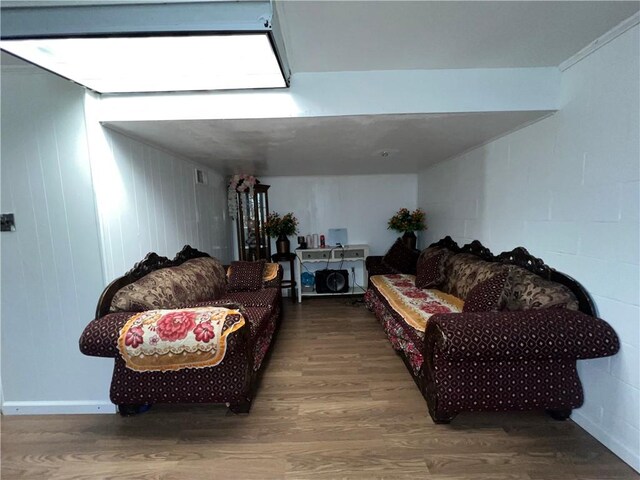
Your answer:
<point x="630" y="458"/>
<point x="57" y="407"/>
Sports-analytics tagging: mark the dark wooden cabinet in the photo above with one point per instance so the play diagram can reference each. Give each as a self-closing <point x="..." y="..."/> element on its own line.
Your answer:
<point x="253" y="241"/>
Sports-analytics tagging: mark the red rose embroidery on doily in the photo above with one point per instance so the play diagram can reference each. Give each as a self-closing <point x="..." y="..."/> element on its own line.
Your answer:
<point x="434" y="307"/>
<point x="134" y="337"/>
<point x="204" y="332"/>
<point x="176" y="325"/>
<point x="415" y="294"/>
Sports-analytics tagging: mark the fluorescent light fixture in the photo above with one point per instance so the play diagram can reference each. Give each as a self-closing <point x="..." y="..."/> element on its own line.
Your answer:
<point x="136" y="64"/>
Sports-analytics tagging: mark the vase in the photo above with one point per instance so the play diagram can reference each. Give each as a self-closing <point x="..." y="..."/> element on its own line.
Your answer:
<point x="282" y="245"/>
<point x="410" y="239"/>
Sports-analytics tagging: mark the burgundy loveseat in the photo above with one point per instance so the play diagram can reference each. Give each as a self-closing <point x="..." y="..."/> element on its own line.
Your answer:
<point x="516" y="352"/>
<point x="191" y="279"/>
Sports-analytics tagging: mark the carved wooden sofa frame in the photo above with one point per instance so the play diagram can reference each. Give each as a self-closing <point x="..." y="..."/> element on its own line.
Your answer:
<point x="101" y="340"/>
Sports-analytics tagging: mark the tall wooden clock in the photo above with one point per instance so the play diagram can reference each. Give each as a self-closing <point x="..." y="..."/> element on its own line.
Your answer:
<point x="253" y="241"/>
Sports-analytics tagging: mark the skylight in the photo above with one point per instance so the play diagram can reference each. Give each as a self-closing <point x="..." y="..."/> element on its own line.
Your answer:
<point x="137" y="64"/>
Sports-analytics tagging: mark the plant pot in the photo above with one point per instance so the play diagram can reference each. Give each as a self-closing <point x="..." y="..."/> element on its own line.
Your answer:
<point x="410" y="239"/>
<point x="282" y="245"/>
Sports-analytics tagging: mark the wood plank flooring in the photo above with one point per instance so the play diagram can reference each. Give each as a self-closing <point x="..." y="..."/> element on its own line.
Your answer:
<point x="335" y="402"/>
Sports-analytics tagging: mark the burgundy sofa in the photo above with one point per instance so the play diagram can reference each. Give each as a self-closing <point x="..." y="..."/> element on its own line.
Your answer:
<point x="520" y="355"/>
<point x="233" y="381"/>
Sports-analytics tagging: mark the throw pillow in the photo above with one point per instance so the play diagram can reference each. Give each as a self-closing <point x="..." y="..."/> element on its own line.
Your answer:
<point x="246" y="276"/>
<point x="430" y="270"/>
<point x="488" y="296"/>
<point x="400" y="258"/>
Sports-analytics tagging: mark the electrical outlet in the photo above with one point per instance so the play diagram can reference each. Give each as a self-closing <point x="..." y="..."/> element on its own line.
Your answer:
<point x="353" y="271"/>
<point x="7" y="222"/>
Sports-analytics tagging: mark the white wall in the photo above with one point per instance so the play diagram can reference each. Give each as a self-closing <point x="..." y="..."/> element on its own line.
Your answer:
<point x="148" y="200"/>
<point x="51" y="269"/>
<point x="567" y="188"/>
<point x="360" y="203"/>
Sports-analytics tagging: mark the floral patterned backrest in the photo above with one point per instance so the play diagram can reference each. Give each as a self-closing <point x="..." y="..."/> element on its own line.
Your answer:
<point x="195" y="280"/>
<point x="464" y="271"/>
<point x="526" y="289"/>
<point x="529" y="291"/>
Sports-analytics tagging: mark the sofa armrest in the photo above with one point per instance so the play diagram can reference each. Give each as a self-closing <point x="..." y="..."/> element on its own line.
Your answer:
<point x="522" y="335"/>
<point x="100" y="337"/>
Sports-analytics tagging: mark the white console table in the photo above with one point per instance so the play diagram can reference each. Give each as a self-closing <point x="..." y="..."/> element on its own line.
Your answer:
<point x="352" y="256"/>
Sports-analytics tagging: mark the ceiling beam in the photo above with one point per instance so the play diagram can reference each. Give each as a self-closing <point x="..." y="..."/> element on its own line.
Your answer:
<point x="355" y="93"/>
<point x="80" y="20"/>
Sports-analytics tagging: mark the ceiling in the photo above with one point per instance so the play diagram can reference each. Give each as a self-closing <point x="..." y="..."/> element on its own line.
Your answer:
<point x="330" y="36"/>
<point x="333" y="36"/>
<point x="348" y="145"/>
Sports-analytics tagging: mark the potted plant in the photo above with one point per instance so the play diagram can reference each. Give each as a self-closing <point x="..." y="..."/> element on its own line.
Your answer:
<point x="408" y="222"/>
<point x="281" y="228"/>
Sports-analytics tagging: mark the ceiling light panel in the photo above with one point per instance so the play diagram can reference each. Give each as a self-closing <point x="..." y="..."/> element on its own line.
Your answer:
<point x="157" y="63"/>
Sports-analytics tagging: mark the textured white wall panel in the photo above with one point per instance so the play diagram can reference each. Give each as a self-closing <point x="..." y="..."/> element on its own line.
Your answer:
<point x="148" y="200"/>
<point x="51" y="268"/>
<point x="567" y="189"/>
<point x="361" y="203"/>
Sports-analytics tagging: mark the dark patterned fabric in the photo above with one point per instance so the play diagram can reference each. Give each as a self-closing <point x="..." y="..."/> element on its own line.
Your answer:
<point x="529" y="291"/>
<point x="100" y="337"/>
<point x="263" y="343"/>
<point x="226" y="382"/>
<point x="266" y="297"/>
<point x="230" y="381"/>
<point x="195" y="280"/>
<point x="504" y="386"/>
<point x="525" y="335"/>
<point x="400" y="258"/>
<point x="430" y="270"/>
<point x="376" y="267"/>
<point x="521" y="359"/>
<point x="271" y="275"/>
<point x="489" y="295"/>
<point x="274" y="282"/>
<point x="497" y="361"/>
<point x="402" y="337"/>
<point x="246" y="276"/>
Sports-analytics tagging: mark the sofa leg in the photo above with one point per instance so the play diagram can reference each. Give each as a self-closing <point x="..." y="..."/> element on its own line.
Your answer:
<point x="240" y="407"/>
<point x="442" y="419"/>
<point x="129" y="409"/>
<point x="560" y="414"/>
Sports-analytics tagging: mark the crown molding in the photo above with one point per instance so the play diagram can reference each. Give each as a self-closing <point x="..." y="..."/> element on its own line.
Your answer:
<point x="601" y="41"/>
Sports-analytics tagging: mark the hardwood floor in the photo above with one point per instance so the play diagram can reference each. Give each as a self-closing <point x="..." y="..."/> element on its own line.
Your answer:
<point x="335" y="402"/>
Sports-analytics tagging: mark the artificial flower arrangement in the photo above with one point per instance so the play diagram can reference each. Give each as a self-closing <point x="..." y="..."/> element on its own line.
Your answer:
<point x="406" y="221"/>
<point x="277" y="226"/>
<point x="238" y="183"/>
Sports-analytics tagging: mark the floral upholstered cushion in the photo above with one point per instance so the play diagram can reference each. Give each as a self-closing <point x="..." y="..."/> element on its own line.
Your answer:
<point x="430" y="269"/>
<point x="193" y="281"/>
<point x="464" y="271"/>
<point x="400" y="258"/>
<point x="246" y="276"/>
<point x="530" y="291"/>
<point x="414" y="305"/>
<point x="489" y="295"/>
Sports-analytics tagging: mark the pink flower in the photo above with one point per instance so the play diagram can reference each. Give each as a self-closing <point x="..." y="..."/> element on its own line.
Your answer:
<point x="134" y="337"/>
<point x="415" y="294"/>
<point x="434" y="307"/>
<point x="175" y="325"/>
<point x="204" y="332"/>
